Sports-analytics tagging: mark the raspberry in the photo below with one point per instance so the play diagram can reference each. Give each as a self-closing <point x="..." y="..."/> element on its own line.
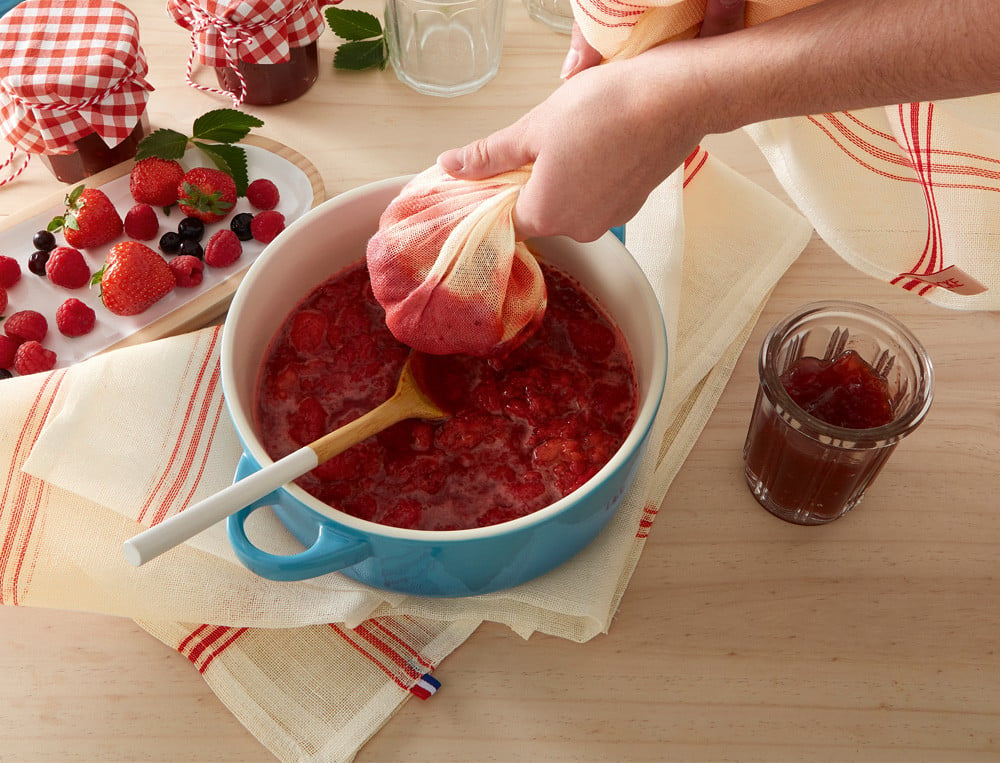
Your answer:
<point x="75" y="318"/>
<point x="32" y="358"/>
<point x="3" y="300"/>
<point x="188" y="270"/>
<point x="10" y="271"/>
<point x="223" y="249"/>
<point x="263" y="194"/>
<point x="67" y="268"/>
<point x="266" y="225"/>
<point x="8" y="348"/>
<point x="26" y="326"/>
<point x="141" y="222"/>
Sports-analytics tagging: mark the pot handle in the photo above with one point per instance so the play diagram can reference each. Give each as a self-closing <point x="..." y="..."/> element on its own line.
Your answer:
<point x="328" y="553"/>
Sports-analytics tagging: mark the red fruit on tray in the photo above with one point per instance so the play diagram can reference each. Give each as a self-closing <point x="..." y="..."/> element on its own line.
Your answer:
<point x="154" y="181"/>
<point x="188" y="271"/>
<point x="141" y="222"/>
<point x="133" y="278"/>
<point x="223" y="249"/>
<point x="26" y="326"/>
<point x="206" y="193"/>
<point x="263" y="194"/>
<point x="90" y="219"/>
<point x="8" y="349"/>
<point x="66" y="267"/>
<point x="33" y="358"/>
<point x="75" y="318"/>
<point x="10" y="271"/>
<point x="3" y="300"/>
<point x="266" y="225"/>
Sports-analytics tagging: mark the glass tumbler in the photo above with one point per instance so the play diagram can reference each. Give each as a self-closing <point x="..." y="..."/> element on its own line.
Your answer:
<point x="555" y="14"/>
<point x="444" y="47"/>
<point x="801" y="468"/>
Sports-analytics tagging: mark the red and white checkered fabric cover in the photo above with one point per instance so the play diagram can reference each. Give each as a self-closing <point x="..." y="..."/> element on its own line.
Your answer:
<point x="69" y="68"/>
<point x="253" y="31"/>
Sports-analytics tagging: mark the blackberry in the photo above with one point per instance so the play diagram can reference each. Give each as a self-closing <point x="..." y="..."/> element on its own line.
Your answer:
<point x="240" y="225"/>
<point x="170" y="242"/>
<point x="192" y="248"/>
<point x="44" y="241"/>
<point x="36" y="262"/>
<point x="191" y="229"/>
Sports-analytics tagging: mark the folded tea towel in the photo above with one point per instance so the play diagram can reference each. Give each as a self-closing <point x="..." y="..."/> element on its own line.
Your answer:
<point x="96" y="452"/>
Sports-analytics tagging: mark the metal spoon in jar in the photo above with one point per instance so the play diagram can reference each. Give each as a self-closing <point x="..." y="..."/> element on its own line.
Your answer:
<point x="409" y="401"/>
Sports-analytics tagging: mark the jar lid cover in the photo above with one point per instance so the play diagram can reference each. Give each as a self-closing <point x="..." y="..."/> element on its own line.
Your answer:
<point x="70" y="68"/>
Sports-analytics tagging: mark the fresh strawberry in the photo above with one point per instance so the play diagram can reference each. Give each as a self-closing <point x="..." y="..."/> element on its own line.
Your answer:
<point x="75" y="318"/>
<point x="223" y="249"/>
<point x="10" y="271"/>
<point x="141" y="222"/>
<point x="154" y="181"/>
<point x="26" y="325"/>
<point x="206" y="193"/>
<point x="66" y="267"/>
<point x="133" y="278"/>
<point x="32" y="358"/>
<point x="90" y="219"/>
<point x="263" y="194"/>
<point x="266" y="225"/>
<point x="188" y="271"/>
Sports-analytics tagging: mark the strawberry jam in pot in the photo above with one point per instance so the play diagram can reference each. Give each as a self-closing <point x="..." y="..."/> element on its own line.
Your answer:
<point x="841" y="384"/>
<point x="270" y="84"/>
<point x="525" y="429"/>
<point x="92" y="155"/>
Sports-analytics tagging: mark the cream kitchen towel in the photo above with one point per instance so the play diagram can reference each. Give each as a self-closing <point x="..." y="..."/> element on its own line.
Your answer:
<point x="98" y="451"/>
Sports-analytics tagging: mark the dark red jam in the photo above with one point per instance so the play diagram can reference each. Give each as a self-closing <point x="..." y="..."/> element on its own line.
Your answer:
<point x="270" y="84"/>
<point x="844" y="391"/>
<point x="525" y="431"/>
<point x="93" y="155"/>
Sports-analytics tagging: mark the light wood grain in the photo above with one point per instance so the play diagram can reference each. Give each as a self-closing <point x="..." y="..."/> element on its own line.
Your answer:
<point x="739" y="638"/>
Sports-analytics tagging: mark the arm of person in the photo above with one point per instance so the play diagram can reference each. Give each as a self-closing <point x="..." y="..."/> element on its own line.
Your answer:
<point x="610" y="134"/>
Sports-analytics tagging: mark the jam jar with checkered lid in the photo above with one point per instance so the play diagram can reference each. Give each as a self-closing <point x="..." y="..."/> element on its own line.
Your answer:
<point x="73" y="87"/>
<point x="263" y="51"/>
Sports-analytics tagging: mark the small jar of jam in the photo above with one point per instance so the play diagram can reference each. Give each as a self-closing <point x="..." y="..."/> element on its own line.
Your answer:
<point x="72" y="84"/>
<point x="263" y="53"/>
<point x="841" y="384"/>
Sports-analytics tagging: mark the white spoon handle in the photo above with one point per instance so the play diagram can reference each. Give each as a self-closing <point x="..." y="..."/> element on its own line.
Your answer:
<point x="202" y="515"/>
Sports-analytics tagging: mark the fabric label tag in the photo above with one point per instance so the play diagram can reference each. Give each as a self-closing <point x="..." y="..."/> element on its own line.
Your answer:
<point x="951" y="278"/>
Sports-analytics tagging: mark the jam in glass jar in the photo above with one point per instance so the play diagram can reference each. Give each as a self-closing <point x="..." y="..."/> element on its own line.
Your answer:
<point x="841" y="384"/>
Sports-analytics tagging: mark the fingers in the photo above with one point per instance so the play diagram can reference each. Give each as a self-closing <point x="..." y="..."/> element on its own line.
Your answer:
<point x="723" y="16"/>
<point x="581" y="55"/>
<point x="500" y="152"/>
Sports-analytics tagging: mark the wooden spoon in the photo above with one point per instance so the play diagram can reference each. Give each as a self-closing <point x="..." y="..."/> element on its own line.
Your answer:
<point x="409" y="401"/>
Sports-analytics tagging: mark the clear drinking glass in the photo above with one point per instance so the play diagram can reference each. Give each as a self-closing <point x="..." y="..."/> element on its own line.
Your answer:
<point x="444" y="47"/>
<point x="555" y="14"/>
<point x="801" y="468"/>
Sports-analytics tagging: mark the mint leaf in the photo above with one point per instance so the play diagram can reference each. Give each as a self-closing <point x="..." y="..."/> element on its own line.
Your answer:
<point x="230" y="159"/>
<point x="164" y="143"/>
<point x="224" y="125"/>
<point x="363" y="54"/>
<point x="353" y="25"/>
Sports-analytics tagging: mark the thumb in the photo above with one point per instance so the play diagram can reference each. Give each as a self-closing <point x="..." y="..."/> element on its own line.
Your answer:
<point x="500" y="152"/>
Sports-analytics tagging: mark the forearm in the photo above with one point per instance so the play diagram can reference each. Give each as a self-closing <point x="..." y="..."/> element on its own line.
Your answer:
<point x="837" y="55"/>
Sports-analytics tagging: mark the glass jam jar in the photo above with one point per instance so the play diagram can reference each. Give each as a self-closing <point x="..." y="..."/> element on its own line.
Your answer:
<point x="843" y="357"/>
<point x="263" y="53"/>
<point x="72" y="84"/>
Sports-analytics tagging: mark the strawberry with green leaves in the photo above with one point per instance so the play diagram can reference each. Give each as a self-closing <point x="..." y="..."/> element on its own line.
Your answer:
<point x="206" y="193"/>
<point x="133" y="278"/>
<point x="90" y="219"/>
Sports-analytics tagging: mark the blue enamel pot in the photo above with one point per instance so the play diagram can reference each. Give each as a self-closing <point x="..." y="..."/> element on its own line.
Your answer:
<point x="322" y="243"/>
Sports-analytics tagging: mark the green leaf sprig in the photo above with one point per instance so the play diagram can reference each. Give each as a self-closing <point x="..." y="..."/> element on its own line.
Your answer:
<point x="365" y="46"/>
<point x="215" y="133"/>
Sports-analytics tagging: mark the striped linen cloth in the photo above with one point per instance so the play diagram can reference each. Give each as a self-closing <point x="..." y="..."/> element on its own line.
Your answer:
<point x="95" y="452"/>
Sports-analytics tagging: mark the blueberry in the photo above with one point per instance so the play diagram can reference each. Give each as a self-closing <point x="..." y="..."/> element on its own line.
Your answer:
<point x="240" y="225"/>
<point x="44" y="241"/>
<point x="192" y="248"/>
<point x="36" y="262"/>
<point x="191" y="228"/>
<point x="5" y="374"/>
<point x="170" y="242"/>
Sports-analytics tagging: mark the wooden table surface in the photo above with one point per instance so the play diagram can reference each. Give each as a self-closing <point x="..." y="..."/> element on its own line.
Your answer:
<point x="740" y="637"/>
